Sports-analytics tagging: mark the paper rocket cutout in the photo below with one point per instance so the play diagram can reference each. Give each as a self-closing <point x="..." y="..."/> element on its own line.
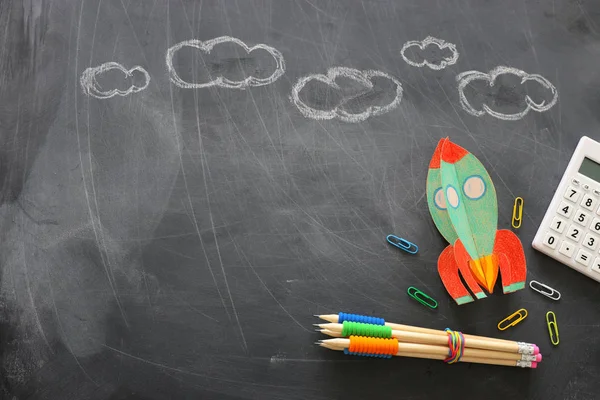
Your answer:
<point x="462" y="202"/>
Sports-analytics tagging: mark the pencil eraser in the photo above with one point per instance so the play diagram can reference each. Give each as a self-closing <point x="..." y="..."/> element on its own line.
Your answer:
<point x="538" y="357"/>
<point x="533" y="364"/>
<point x="536" y="350"/>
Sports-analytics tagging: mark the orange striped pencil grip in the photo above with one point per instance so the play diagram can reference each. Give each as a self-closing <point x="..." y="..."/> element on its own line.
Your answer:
<point x="372" y="347"/>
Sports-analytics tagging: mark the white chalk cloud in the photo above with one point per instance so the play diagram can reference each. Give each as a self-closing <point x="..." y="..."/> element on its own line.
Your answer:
<point x="207" y="46"/>
<point x="90" y="85"/>
<point x="362" y="77"/>
<point x="467" y="77"/>
<point x="431" y="41"/>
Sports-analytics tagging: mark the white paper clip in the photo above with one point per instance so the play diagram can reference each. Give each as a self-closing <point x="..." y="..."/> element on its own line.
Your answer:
<point x="545" y="290"/>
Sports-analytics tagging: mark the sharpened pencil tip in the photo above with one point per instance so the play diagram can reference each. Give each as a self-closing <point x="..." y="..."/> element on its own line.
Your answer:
<point x="319" y="325"/>
<point x="318" y="330"/>
<point x="316" y="315"/>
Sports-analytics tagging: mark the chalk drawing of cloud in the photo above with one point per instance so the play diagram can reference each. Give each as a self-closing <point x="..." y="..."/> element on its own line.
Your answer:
<point x="429" y="40"/>
<point x="467" y="77"/>
<point x="92" y="88"/>
<point x="362" y="77"/>
<point x="207" y="46"/>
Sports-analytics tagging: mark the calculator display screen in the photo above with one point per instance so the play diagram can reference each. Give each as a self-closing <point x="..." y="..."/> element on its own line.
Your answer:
<point x="591" y="169"/>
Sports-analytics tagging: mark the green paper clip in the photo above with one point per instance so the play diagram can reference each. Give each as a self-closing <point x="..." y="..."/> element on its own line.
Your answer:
<point x="552" y="327"/>
<point x="421" y="297"/>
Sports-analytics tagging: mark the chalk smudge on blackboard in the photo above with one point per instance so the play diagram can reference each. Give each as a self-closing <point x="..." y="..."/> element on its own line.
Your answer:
<point x="465" y="78"/>
<point x="362" y="77"/>
<point x="207" y="46"/>
<point x="422" y="45"/>
<point x="90" y="85"/>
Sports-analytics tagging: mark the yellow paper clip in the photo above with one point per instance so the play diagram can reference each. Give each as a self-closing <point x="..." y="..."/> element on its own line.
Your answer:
<point x="517" y="216"/>
<point x="552" y="328"/>
<point x="509" y="321"/>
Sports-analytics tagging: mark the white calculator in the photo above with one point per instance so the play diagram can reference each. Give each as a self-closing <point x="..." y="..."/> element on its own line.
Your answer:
<point x="570" y="230"/>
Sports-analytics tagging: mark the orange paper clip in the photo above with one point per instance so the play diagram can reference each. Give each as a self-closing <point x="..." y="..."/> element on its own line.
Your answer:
<point x="513" y="319"/>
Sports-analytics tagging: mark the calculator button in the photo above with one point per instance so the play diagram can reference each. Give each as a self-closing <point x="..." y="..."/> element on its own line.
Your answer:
<point x="558" y="225"/>
<point x="581" y="217"/>
<point x="565" y="209"/>
<point x="590" y="241"/>
<point x="583" y="258"/>
<point x="589" y="202"/>
<point x="574" y="233"/>
<point x="572" y="194"/>
<point x="550" y="240"/>
<point x="595" y="225"/>
<point x="567" y="248"/>
<point x="575" y="181"/>
<point x="585" y="186"/>
<point x="596" y="192"/>
<point x="596" y="265"/>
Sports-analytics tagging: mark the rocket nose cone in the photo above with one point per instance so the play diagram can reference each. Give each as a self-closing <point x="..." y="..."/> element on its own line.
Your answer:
<point x="451" y="152"/>
<point x="436" y="159"/>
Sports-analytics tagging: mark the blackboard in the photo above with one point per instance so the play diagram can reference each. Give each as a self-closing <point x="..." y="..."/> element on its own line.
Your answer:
<point x="169" y="234"/>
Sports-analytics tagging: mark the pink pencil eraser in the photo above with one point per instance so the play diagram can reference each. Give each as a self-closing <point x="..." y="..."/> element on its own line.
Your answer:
<point x="538" y="357"/>
<point x="536" y="350"/>
<point x="533" y="364"/>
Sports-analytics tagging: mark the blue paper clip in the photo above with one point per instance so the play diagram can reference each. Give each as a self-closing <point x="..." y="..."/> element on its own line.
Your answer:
<point x="402" y="244"/>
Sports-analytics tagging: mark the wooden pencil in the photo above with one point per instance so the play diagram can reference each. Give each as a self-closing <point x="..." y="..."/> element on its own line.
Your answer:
<point x="475" y="360"/>
<point x="427" y="338"/>
<point x="443" y="351"/>
<point x="508" y="345"/>
<point x="476" y="353"/>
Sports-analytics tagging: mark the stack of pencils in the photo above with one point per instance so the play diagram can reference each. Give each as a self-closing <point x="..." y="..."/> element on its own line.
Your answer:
<point x="378" y="338"/>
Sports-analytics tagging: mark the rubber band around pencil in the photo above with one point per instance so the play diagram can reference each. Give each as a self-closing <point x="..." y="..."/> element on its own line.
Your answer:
<point x="519" y="347"/>
<point x="456" y="343"/>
